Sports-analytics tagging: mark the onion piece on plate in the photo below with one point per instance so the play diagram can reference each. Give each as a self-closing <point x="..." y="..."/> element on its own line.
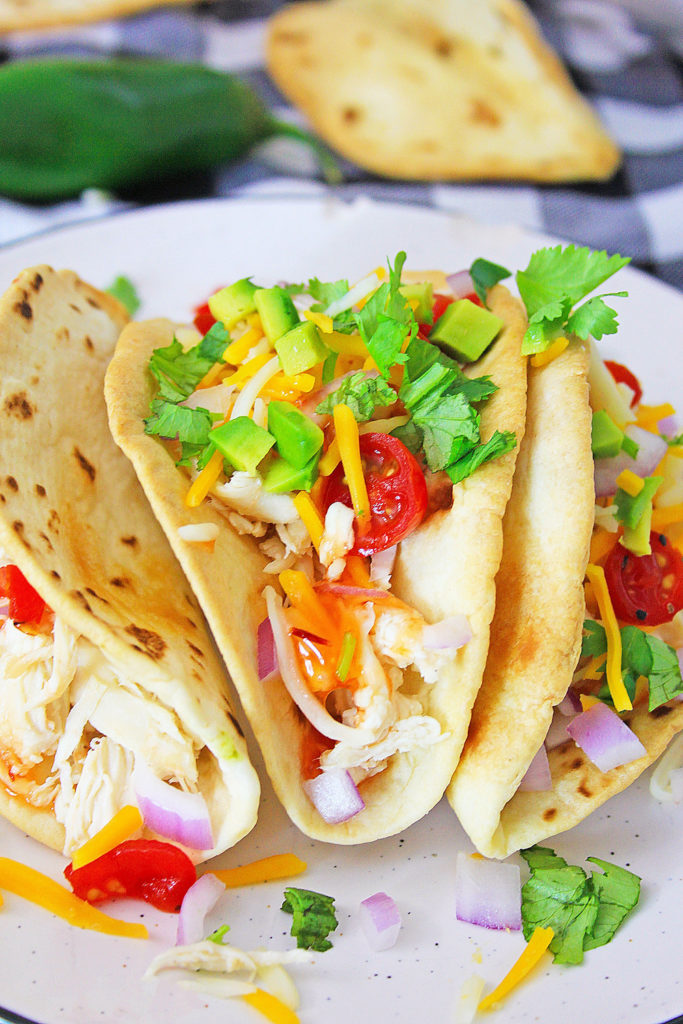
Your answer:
<point x="199" y="900"/>
<point x="170" y="812"/>
<point x="380" y="920"/>
<point x="537" y="777"/>
<point x="604" y="738"/>
<point x="488" y="893"/>
<point x="334" y="795"/>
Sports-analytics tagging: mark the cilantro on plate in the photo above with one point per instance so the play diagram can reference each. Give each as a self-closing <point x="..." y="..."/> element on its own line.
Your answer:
<point x="313" y="918"/>
<point x="584" y="912"/>
<point x="642" y="654"/>
<point x="123" y="289"/>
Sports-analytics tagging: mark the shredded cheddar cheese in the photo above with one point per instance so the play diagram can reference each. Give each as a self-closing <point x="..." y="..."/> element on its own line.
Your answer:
<point x="532" y="954"/>
<point x="248" y="370"/>
<point x="203" y="483"/>
<point x="595" y="668"/>
<point x="280" y="865"/>
<point x="123" y="825"/>
<point x="321" y="320"/>
<point x="271" y="1007"/>
<point x="648" y="416"/>
<point x="330" y="460"/>
<point x="346" y="430"/>
<point x="552" y="352"/>
<point x="303" y="597"/>
<point x="602" y="543"/>
<point x="666" y="516"/>
<point x="620" y="697"/>
<point x="310" y="517"/>
<point x="236" y="351"/>
<point x="587" y="701"/>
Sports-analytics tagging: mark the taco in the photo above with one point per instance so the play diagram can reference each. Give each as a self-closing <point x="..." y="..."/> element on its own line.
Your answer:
<point x="579" y="695"/>
<point x="112" y="692"/>
<point x="358" y="478"/>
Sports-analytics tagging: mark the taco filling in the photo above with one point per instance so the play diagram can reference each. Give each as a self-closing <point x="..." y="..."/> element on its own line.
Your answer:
<point x="329" y="424"/>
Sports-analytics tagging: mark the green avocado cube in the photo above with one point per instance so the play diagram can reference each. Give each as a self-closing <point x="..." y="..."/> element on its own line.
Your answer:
<point x="421" y="293"/>
<point x="637" y="539"/>
<point x="242" y="442"/>
<point x="277" y="311"/>
<point x="297" y="437"/>
<point x="301" y="348"/>
<point x="606" y="437"/>
<point x="232" y="304"/>
<point x="465" y="330"/>
<point x="280" y="476"/>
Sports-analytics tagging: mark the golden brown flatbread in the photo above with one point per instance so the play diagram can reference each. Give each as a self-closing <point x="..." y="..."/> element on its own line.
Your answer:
<point x="75" y="521"/>
<point x="536" y="635"/>
<point x="437" y="89"/>
<point x="446" y="567"/>
<point x="27" y="15"/>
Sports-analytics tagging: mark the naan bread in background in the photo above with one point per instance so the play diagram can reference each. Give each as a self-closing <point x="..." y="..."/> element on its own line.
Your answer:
<point x="26" y="15"/>
<point x="437" y="89"/>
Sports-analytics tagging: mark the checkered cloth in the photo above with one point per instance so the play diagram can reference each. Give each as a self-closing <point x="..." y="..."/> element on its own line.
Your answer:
<point x="632" y="75"/>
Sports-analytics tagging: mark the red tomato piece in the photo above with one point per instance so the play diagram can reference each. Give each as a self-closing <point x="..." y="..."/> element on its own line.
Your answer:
<point x="143" y="869"/>
<point x="25" y="603"/>
<point x="623" y="375"/>
<point x="646" y="590"/>
<point x="203" y="318"/>
<point x="397" y="492"/>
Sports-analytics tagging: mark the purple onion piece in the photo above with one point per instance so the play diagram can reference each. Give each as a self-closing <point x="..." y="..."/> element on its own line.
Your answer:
<point x="488" y="893"/>
<point x="604" y="738"/>
<point x="537" y="777"/>
<point x="334" y="795"/>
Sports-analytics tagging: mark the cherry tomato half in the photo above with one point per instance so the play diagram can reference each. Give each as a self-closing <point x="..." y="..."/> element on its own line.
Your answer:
<point x="646" y="590"/>
<point x="203" y="318"/>
<point x="25" y="603"/>
<point x="396" y="490"/>
<point x="623" y="375"/>
<point x="144" y="869"/>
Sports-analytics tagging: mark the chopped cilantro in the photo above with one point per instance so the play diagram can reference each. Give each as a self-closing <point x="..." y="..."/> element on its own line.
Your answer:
<point x="677" y="440"/>
<point x="179" y="372"/>
<point x="189" y="426"/>
<point x="386" y="320"/>
<point x="314" y="918"/>
<point x="485" y="274"/>
<point x="553" y="282"/>
<point x="123" y="289"/>
<point x="642" y="654"/>
<point x="584" y="912"/>
<point x="630" y="509"/>
<point x="361" y="393"/>
<point x="498" y="444"/>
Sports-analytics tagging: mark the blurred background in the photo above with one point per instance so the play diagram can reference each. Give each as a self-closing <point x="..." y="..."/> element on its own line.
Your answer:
<point x="625" y="57"/>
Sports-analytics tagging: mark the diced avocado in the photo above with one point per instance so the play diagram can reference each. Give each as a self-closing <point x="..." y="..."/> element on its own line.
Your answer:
<point x="297" y="437"/>
<point x="277" y="311"/>
<point x="606" y="437"/>
<point x="421" y="293"/>
<point x="301" y="348"/>
<point x="280" y="476"/>
<point x="242" y="442"/>
<point x="637" y="540"/>
<point x="465" y="330"/>
<point x="232" y="304"/>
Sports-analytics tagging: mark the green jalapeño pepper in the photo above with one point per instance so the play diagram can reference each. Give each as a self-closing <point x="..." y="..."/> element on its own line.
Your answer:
<point x="70" y="124"/>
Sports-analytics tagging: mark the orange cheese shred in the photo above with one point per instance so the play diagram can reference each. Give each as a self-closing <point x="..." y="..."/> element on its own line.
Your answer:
<point x="280" y="865"/>
<point x="123" y="825"/>
<point x="618" y="692"/>
<point x="535" y="948"/>
<point x="272" y="1008"/>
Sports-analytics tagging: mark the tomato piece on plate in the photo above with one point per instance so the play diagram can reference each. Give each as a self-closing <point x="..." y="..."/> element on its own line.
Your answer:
<point x="397" y="492"/>
<point x="145" y="869"/>
<point x="623" y="375"/>
<point x="646" y="590"/>
<point x="25" y="603"/>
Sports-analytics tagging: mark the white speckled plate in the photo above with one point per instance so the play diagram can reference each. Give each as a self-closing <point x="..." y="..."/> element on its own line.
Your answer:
<point x="53" y="974"/>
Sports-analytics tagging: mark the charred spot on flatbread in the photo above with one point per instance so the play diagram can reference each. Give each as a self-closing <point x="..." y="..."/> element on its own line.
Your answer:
<point x="151" y="642"/>
<point x="19" y="406"/>
<point x="550" y="813"/>
<point x="131" y="541"/>
<point x="23" y="308"/>
<point x="40" y="490"/>
<point x="85" y="464"/>
<point x="12" y="483"/>
<point x="53" y="520"/>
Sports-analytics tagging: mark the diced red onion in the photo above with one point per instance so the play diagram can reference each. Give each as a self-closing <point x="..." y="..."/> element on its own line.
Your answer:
<point x="604" y="738"/>
<point x="668" y="426"/>
<point x="346" y="590"/>
<point x="488" y="893"/>
<point x="382" y="565"/>
<point x="170" y="812"/>
<point x="307" y="703"/>
<point x="461" y="283"/>
<point x="537" y="777"/>
<point x="266" y="655"/>
<point x="334" y="795"/>
<point x="651" y="450"/>
<point x="570" y="703"/>
<point x="447" y="634"/>
<point x="557" y="733"/>
<point x="4" y="607"/>
<point x="380" y="920"/>
<point x="199" y="900"/>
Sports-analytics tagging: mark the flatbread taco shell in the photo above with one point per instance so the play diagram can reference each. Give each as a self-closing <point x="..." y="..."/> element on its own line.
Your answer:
<point x="132" y="674"/>
<point x="447" y="566"/>
<point x="536" y="635"/>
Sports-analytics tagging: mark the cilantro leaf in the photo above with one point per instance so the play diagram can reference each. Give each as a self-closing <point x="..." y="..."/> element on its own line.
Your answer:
<point x="618" y="891"/>
<point x="498" y="444"/>
<point x="594" y="641"/>
<point x="665" y="680"/>
<point x="630" y="509"/>
<point x="189" y="426"/>
<point x="178" y="372"/>
<point x="123" y="289"/>
<point x="584" y="912"/>
<point x="386" y="320"/>
<point x="314" y="918"/>
<point x="361" y="393"/>
<point x="551" y="285"/>
<point x="485" y="274"/>
<point x="642" y="654"/>
<point x="327" y="292"/>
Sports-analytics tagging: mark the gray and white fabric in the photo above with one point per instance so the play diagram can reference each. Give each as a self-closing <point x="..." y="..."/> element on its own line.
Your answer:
<point x="627" y="59"/>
